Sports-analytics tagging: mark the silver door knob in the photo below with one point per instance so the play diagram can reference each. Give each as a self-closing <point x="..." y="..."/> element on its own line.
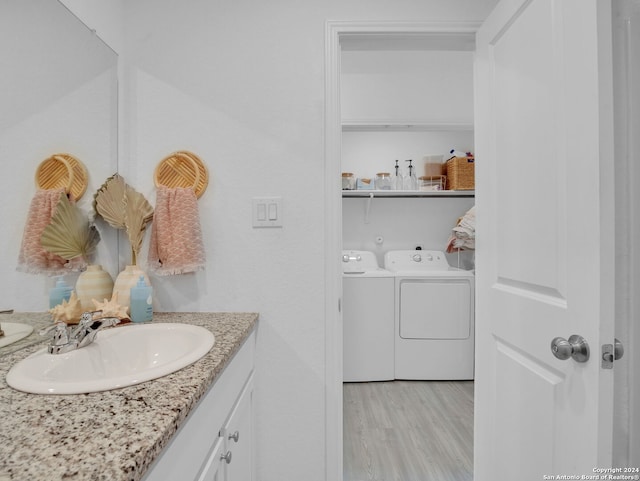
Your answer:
<point x="226" y="457"/>
<point x="576" y="347"/>
<point x="235" y="436"/>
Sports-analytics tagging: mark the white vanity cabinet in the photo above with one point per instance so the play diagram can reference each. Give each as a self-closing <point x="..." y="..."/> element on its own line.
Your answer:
<point x="216" y="441"/>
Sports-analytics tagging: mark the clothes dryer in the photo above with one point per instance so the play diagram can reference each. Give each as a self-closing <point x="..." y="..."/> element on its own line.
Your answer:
<point x="434" y="316"/>
<point x="367" y="318"/>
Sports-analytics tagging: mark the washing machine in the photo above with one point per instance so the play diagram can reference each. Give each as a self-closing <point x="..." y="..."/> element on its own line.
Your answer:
<point x="367" y="318"/>
<point x="434" y="316"/>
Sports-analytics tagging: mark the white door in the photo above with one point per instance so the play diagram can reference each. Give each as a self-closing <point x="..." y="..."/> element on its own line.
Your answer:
<point x="545" y="250"/>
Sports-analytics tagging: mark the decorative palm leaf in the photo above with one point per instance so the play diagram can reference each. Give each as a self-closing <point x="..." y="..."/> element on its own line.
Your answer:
<point x="124" y="208"/>
<point x="138" y="213"/>
<point x="109" y="201"/>
<point x="69" y="233"/>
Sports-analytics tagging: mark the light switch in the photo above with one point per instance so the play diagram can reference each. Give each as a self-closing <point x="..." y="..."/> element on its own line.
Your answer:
<point x="273" y="211"/>
<point x="267" y="211"/>
<point x="262" y="212"/>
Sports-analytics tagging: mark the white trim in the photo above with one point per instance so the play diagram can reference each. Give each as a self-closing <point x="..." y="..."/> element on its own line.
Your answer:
<point x="333" y="245"/>
<point x="333" y="212"/>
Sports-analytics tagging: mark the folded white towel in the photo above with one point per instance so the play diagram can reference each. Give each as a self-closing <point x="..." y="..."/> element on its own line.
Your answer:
<point x="463" y="235"/>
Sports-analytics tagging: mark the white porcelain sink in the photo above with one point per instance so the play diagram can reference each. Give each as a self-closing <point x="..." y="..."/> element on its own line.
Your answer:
<point x="119" y="357"/>
<point x="13" y="332"/>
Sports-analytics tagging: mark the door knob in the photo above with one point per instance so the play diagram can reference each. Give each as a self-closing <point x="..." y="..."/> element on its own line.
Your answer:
<point x="226" y="457"/>
<point x="576" y="347"/>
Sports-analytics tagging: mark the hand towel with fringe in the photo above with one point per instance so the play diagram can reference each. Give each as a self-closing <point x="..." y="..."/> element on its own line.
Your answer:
<point x="33" y="258"/>
<point x="176" y="245"/>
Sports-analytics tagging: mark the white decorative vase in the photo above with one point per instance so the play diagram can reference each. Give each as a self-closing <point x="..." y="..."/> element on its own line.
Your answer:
<point x="125" y="281"/>
<point x="93" y="283"/>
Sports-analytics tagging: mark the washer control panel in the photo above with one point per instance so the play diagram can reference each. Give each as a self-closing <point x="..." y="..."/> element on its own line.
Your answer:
<point x="354" y="262"/>
<point x="411" y="260"/>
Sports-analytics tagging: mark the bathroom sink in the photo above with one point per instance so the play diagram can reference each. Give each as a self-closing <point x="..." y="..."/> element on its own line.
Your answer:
<point x="13" y="332"/>
<point x="119" y="357"/>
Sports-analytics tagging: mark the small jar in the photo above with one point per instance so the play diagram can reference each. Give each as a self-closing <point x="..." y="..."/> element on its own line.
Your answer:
<point x="383" y="181"/>
<point x="348" y="181"/>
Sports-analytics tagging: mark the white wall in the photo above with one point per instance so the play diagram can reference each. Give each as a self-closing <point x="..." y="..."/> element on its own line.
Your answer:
<point x="399" y="85"/>
<point x="103" y="17"/>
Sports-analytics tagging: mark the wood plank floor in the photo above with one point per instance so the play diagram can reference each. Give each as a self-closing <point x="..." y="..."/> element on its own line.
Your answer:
<point x="408" y="431"/>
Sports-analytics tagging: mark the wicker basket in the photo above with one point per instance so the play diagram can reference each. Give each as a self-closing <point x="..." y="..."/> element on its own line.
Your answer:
<point x="460" y="173"/>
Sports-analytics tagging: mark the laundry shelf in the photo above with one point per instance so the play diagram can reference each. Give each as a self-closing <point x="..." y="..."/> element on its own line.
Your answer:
<point x="407" y="193"/>
<point x="408" y="125"/>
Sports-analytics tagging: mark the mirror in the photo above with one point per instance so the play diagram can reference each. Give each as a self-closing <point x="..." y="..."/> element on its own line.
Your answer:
<point x="58" y="94"/>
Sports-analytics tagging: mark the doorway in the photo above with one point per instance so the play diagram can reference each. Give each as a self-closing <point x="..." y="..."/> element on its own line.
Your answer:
<point x="434" y="36"/>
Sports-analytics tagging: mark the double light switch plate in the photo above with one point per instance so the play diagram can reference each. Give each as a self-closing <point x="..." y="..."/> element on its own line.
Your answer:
<point x="267" y="211"/>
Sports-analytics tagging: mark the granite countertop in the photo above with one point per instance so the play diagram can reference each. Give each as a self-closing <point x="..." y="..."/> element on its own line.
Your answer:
<point x="112" y="435"/>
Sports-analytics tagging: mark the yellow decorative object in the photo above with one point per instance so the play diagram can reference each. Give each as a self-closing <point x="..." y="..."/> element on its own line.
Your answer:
<point x="111" y="308"/>
<point x="63" y="171"/>
<point x="69" y="311"/>
<point x="182" y="169"/>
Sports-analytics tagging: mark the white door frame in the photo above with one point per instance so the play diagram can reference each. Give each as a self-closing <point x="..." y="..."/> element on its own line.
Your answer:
<point x="333" y="213"/>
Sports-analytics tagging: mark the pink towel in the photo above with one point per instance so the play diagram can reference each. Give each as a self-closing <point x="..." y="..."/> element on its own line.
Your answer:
<point x="33" y="258"/>
<point x="176" y="245"/>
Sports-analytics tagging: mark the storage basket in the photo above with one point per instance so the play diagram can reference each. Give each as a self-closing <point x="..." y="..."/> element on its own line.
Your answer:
<point x="432" y="182"/>
<point x="460" y="173"/>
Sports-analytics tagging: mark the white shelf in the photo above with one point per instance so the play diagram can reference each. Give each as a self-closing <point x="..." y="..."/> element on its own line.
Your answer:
<point x="407" y="193"/>
<point x="404" y="126"/>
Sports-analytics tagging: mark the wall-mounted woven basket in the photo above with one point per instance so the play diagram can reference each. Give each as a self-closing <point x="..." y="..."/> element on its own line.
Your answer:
<point x="182" y="169"/>
<point x="62" y="171"/>
<point x="461" y="173"/>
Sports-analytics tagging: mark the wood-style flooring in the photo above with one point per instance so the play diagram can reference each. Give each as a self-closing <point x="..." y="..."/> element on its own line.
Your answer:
<point x="408" y="431"/>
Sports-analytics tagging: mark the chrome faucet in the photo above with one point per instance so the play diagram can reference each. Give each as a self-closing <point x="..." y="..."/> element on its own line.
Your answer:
<point x="68" y="338"/>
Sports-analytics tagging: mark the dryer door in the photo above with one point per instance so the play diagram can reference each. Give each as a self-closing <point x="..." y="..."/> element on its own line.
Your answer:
<point x="435" y="308"/>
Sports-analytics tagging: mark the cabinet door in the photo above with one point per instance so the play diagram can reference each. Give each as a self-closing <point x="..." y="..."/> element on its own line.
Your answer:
<point x="212" y="469"/>
<point x="238" y="435"/>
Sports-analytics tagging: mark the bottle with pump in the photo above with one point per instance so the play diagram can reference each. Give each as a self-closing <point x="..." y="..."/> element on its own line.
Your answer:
<point x="397" y="180"/>
<point x="141" y="304"/>
<point x="61" y="292"/>
<point x="410" y="181"/>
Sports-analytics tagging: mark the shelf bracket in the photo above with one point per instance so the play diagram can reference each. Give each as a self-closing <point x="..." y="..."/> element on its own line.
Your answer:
<point x="367" y="209"/>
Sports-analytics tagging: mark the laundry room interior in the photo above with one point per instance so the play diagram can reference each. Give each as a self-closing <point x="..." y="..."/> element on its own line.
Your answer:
<point x="406" y="109"/>
<point x="404" y="98"/>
